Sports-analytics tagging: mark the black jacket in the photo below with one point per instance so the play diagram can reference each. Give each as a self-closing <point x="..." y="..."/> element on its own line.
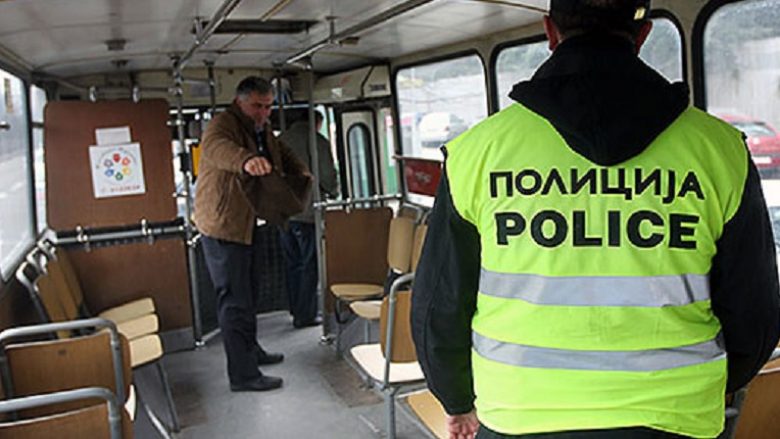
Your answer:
<point x="609" y="106"/>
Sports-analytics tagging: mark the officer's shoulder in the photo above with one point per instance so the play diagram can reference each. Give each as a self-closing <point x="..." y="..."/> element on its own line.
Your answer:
<point x="706" y="123"/>
<point x="491" y="127"/>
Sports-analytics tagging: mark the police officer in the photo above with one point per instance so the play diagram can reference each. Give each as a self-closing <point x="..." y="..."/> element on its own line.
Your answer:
<point x="599" y="261"/>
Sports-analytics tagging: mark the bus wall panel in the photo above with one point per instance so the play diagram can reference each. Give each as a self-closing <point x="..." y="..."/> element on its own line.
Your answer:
<point x="70" y="131"/>
<point x="356" y="247"/>
<point x="111" y="276"/>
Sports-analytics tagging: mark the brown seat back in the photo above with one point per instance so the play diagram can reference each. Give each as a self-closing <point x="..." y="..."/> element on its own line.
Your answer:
<point x="399" y="244"/>
<point x="46" y="290"/>
<point x="403" y="346"/>
<point x="759" y="416"/>
<point x="356" y="247"/>
<point x="90" y="422"/>
<point x="69" y="273"/>
<point x="62" y="290"/>
<point x="51" y="366"/>
<point x="417" y="246"/>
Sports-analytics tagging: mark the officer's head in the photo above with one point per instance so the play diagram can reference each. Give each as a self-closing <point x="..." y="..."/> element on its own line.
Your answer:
<point x="255" y="97"/>
<point x="627" y="18"/>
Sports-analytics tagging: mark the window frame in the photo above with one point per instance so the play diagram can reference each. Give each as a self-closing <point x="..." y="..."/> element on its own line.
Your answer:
<point x="397" y="109"/>
<point x="536" y="38"/>
<point x="7" y="271"/>
<point x="697" y="43"/>
<point x="370" y="158"/>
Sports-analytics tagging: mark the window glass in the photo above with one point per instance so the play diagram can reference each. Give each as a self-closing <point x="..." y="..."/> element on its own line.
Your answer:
<point x="662" y="51"/>
<point x="37" y="103"/>
<point x="438" y="101"/>
<point x="15" y="207"/>
<point x="359" y="144"/>
<point x="388" y="163"/>
<point x="742" y="77"/>
<point x="518" y="63"/>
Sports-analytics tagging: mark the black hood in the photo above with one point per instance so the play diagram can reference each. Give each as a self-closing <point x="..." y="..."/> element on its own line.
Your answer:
<point x="604" y="101"/>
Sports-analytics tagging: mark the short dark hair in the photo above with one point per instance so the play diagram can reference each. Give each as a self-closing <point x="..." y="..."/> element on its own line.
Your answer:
<point x="588" y="16"/>
<point x="253" y="84"/>
<point x="318" y="117"/>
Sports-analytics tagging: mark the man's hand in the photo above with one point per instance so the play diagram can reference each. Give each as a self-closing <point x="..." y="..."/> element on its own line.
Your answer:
<point x="258" y="166"/>
<point x="463" y="426"/>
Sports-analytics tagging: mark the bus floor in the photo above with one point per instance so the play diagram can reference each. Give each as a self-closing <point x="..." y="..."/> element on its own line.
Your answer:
<point x="322" y="396"/>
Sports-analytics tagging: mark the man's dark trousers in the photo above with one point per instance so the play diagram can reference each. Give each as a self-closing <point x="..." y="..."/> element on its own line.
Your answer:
<point x="301" y="266"/>
<point x="231" y="266"/>
<point x="618" y="433"/>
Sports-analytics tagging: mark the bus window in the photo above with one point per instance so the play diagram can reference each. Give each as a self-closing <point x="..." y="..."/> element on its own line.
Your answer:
<point x="387" y="148"/>
<point x="663" y="49"/>
<point x="438" y="101"/>
<point x="515" y="64"/>
<point x="742" y="78"/>
<point x="16" y="232"/>
<point x="37" y="103"/>
<point x="359" y="146"/>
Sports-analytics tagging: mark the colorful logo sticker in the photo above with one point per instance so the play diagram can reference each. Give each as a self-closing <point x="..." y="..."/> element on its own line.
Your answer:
<point x="117" y="165"/>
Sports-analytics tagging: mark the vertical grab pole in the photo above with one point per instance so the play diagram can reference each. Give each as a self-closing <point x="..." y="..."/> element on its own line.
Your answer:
<point x="280" y="99"/>
<point x="212" y="88"/>
<point x="185" y="158"/>
<point x="318" y="220"/>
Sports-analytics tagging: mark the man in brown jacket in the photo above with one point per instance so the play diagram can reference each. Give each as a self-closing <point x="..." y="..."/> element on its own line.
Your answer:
<point x="238" y="145"/>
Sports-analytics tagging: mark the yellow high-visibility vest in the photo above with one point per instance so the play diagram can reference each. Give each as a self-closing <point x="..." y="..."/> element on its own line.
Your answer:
<point x="594" y="304"/>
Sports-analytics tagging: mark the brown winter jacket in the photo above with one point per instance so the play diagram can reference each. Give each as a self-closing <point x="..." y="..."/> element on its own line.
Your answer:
<point x="223" y="209"/>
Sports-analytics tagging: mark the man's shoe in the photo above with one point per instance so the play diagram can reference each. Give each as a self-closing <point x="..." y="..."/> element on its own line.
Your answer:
<point x="260" y="384"/>
<point x="313" y="322"/>
<point x="267" y="358"/>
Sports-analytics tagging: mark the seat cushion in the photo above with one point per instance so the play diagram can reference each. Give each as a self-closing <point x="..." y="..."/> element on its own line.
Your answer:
<point x="145" y="350"/>
<point x="352" y="292"/>
<point x="138" y="327"/>
<point x="370" y="358"/>
<point x="430" y="412"/>
<point x="129" y="311"/>
<point x="367" y="309"/>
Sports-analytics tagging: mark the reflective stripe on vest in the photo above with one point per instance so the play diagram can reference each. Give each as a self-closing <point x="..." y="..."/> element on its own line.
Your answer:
<point x="630" y="361"/>
<point x="646" y="291"/>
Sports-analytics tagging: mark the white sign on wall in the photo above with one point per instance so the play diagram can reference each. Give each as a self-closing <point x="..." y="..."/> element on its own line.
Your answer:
<point x="117" y="170"/>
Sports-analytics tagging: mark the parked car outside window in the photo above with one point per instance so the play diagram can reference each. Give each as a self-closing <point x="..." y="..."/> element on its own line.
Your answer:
<point x="440" y="127"/>
<point x="762" y="141"/>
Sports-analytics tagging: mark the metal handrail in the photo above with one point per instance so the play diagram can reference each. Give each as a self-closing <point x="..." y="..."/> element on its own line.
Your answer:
<point x="96" y="323"/>
<point x="391" y="299"/>
<point x="355" y="201"/>
<point x="28" y="402"/>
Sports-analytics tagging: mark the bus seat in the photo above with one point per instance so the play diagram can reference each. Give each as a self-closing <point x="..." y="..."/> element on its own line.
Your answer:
<point x="127" y="311"/>
<point x="759" y="416"/>
<point x="392" y="363"/>
<point x="363" y="298"/>
<point x="367" y="309"/>
<point x="417" y="245"/>
<point x="141" y="331"/>
<point x="96" y="421"/>
<point x="138" y="327"/>
<point x="64" y="364"/>
<point x="430" y="411"/>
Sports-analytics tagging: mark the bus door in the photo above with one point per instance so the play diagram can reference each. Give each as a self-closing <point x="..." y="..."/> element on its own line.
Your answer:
<point x="358" y="155"/>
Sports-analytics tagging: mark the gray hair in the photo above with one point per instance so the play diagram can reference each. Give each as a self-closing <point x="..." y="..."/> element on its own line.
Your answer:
<point x="253" y="84"/>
